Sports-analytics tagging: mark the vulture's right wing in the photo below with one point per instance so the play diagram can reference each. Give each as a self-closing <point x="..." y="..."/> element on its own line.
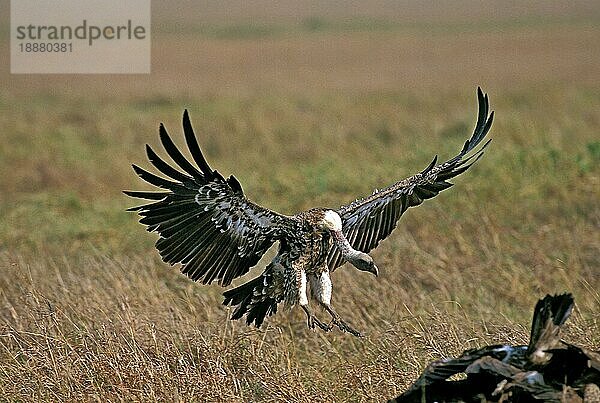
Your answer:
<point x="204" y="220"/>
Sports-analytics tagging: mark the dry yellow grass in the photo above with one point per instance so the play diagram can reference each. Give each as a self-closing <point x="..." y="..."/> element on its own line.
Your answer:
<point x="302" y="118"/>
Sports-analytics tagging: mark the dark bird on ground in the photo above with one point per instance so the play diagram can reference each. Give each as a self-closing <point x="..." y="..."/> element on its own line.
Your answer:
<point x="206" y="224"/>
<point x="547" y="369"/>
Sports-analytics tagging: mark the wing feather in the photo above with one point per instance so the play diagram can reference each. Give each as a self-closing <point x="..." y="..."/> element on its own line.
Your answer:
<point x="157" y="180"/>
<point x="146" y="195"/>
<point x="204" y="222"/>
<point x="175" y="154"/>
<point x="165" y="168"/>
<point x="368" y="221"/>
<point x="192" y="143"/>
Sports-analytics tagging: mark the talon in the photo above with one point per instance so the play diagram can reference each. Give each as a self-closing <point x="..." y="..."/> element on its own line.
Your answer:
<point x="313" y="320"/>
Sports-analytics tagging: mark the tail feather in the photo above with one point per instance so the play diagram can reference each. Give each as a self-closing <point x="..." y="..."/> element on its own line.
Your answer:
<point x="253" y="300"/>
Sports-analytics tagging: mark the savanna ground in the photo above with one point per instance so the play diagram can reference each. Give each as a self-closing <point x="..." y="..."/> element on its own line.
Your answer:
<point x="309" y="106"/>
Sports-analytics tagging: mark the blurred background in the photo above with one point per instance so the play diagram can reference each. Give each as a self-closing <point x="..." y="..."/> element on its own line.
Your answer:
<point x="309" y="104"/>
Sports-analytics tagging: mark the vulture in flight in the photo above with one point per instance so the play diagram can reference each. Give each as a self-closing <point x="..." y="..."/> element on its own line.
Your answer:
<point x="207" y="225"/>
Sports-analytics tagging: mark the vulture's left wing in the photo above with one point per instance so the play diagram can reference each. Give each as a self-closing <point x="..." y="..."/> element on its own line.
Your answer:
<point x="368" y="221"/>
<point x="204" y="220"/>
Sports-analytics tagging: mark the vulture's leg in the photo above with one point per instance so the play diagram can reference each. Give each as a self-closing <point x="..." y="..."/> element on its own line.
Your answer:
<point x="321" y="287"/>
<point x="312" y="320"/>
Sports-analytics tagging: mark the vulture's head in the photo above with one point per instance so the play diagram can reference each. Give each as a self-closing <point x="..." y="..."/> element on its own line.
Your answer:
<point x="365" y="262"/>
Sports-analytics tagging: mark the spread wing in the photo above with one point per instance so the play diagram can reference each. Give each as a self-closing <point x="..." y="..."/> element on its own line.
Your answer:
<point x="204" y="220"/>
<point x="368" y="221"/>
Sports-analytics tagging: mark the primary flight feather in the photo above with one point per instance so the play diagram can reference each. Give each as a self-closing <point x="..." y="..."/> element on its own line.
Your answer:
<point x="207" y="225"/>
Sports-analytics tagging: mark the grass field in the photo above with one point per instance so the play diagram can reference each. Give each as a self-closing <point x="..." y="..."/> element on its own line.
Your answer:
<point x="308" y="107"/>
